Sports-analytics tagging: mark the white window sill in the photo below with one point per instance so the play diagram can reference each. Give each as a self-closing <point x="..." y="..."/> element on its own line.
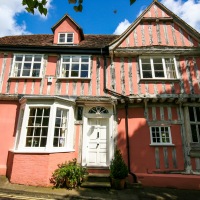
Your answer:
<point x="73" y="78"/>
<point x="28" y="151"/>
<point x="161" y="144"/>
<point x="24" y="77"/>
<point x="159" y="79"/>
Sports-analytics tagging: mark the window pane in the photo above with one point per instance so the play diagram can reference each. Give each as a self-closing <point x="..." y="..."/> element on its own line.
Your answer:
<point x="198" y="113"/>
<point x="147" y="74"/>
<point x="18" y="57"/>
<point x="38" y="58"/>
<point x="194" y="133"/>
<point x="60" y="130"/>
<point x="146" y="67"/>
<point x="66" y="58"/>
<point x="75" y="67"/>
<point x="84" y="67"/>
<point x="145" y="60"/>
<point x="159" y="74"/>
<point x="157" y="60"/>
<point x="70" y="37"/>
<point x="84" y="74"/>
<point x="79" y="113"/>
<point x="28" y="57"/>
<point x="37" y="129"/>
<point x="75" y="58"/>
<point x="191" y="114"/>
<point x="74" y="74"/>
<point x="158" y="67"/>
<point x="62" y="38"/>
<point x="84" y="58"/>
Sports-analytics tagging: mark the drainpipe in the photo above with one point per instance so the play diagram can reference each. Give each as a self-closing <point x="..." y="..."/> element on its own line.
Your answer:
<point x="127" y="143"/>
<point x="106" y="90"/>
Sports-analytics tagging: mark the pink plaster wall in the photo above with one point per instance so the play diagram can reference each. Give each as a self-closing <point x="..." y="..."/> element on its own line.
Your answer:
<point x="9" y="111"/>
<point x="142" y="155"/>
<point x="67" y="26"/>
<point x="36" y="169"/>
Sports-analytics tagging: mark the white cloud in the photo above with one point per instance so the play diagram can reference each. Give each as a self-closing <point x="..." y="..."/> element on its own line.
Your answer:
<point x="188" y="11"/>
<point x="9" y="9"/>
<point x="122" y="27"/>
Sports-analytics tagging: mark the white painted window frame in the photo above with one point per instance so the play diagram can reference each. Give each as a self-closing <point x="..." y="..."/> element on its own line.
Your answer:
<point x="160" y="143"/>
<point x="66" y="36"/>
<point x="153" y="71"/>
<point x="70" y="69"/>
<point x="13" y="71"/>
<point x="22" y="129"/>
<point x="194" y="123"/>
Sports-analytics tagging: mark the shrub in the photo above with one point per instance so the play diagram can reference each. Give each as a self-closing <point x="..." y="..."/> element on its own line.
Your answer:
<point x="69" y="174"/>
<point x="118" y="168"/>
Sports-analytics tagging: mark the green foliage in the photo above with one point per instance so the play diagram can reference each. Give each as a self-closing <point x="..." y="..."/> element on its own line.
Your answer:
<point x="40" y="5"/>
<point x="118" y="168"/>
<point x="70" y="172"/>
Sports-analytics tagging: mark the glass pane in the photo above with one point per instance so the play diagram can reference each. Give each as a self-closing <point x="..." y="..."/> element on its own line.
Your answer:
<point x="38" y="58"/>
<point x="45" y="121"/>
<point x="62" y="38"/>
<point x="194" y="133"/>
<point x="31" y="121"/>
<point x="84" y="58"/>
<point x="39" y="111"/>
<point x="36" y="141"/>
<point x="65" y="67"/>
<point x="43" y="142"/>
<point x="66" y="58"/>
<point x="28" y="142"/>
<point x="146" y="66"/>
<point x="198" y="113"/>
<point x="44" y="131"/>
<point x="145" y="60"/>
<point x="58" y="112"/>
<point x="37" y="131"/>
<point x="158" y="67"/>
<point x="36" y="66"/>
<point x="191" y="114"/>
<point x="58" y="122"/>
<point x="157" y="60"/>
<point x="56" y="132"/>
<point x="79" y="113"/>
<point x="46" y="112"/>
<point x="70" y="37"/>
<point x="19" y="58"/>
<point x="74" y="74"/>
<point x="75" y="67"/>
<point x="159" y="74"/>
<point x="84" y="67"/>
<point x="75" y="58"/>
<point x="38" y="121"/>
<point x="26" y="73"/>
<point x="55" y="142"/>
<point x="28" y="57"/>
<point x="30" y="131"/>
<point x="84" y="74"/>
<point x="147" y="74"/>
<point x="36" y="73"/>
<point x="61" y="142"/>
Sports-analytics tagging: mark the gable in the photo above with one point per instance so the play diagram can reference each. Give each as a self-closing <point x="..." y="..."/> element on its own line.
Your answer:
<point x="67" y="25"/>
<point x="157" y="26"/>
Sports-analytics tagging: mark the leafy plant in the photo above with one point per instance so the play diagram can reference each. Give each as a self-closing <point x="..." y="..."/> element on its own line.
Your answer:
<point x="69" y="174"/>
<point x="118" y="168"/>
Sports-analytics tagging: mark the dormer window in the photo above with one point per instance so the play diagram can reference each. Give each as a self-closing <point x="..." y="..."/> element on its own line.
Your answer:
<point x="66" y="38"/>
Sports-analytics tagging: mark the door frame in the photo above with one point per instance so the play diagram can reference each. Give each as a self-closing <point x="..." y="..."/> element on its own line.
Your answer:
<point x="109" y="116"/>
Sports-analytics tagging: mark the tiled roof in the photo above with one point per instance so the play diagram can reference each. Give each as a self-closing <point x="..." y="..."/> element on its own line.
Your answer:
<point x="45" y="40"/>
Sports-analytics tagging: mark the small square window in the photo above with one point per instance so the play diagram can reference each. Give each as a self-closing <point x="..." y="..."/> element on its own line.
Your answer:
<point x="66" y="38"/>
<point x="160" y="135"/>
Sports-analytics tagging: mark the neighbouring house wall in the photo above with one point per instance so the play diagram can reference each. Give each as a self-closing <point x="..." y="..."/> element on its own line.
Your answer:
<point x="9" y="111"/>
<point x="145" y="158"/>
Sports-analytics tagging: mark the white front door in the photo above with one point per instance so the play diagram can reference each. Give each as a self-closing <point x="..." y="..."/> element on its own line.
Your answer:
<point x="97" y="150"/>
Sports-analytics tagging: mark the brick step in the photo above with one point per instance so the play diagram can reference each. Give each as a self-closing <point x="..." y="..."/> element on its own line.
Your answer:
<point x="97" y="180"/>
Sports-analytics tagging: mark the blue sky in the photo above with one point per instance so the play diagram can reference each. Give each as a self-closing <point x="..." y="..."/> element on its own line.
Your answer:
<point x="98" y="16"/>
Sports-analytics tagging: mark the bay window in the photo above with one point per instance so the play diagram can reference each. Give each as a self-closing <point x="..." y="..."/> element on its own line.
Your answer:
<point x="158" y="67"/>
<point x="44" y="127"/>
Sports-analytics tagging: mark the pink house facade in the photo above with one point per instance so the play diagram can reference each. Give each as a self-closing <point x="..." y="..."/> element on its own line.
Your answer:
<point x="70" y="95"/>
